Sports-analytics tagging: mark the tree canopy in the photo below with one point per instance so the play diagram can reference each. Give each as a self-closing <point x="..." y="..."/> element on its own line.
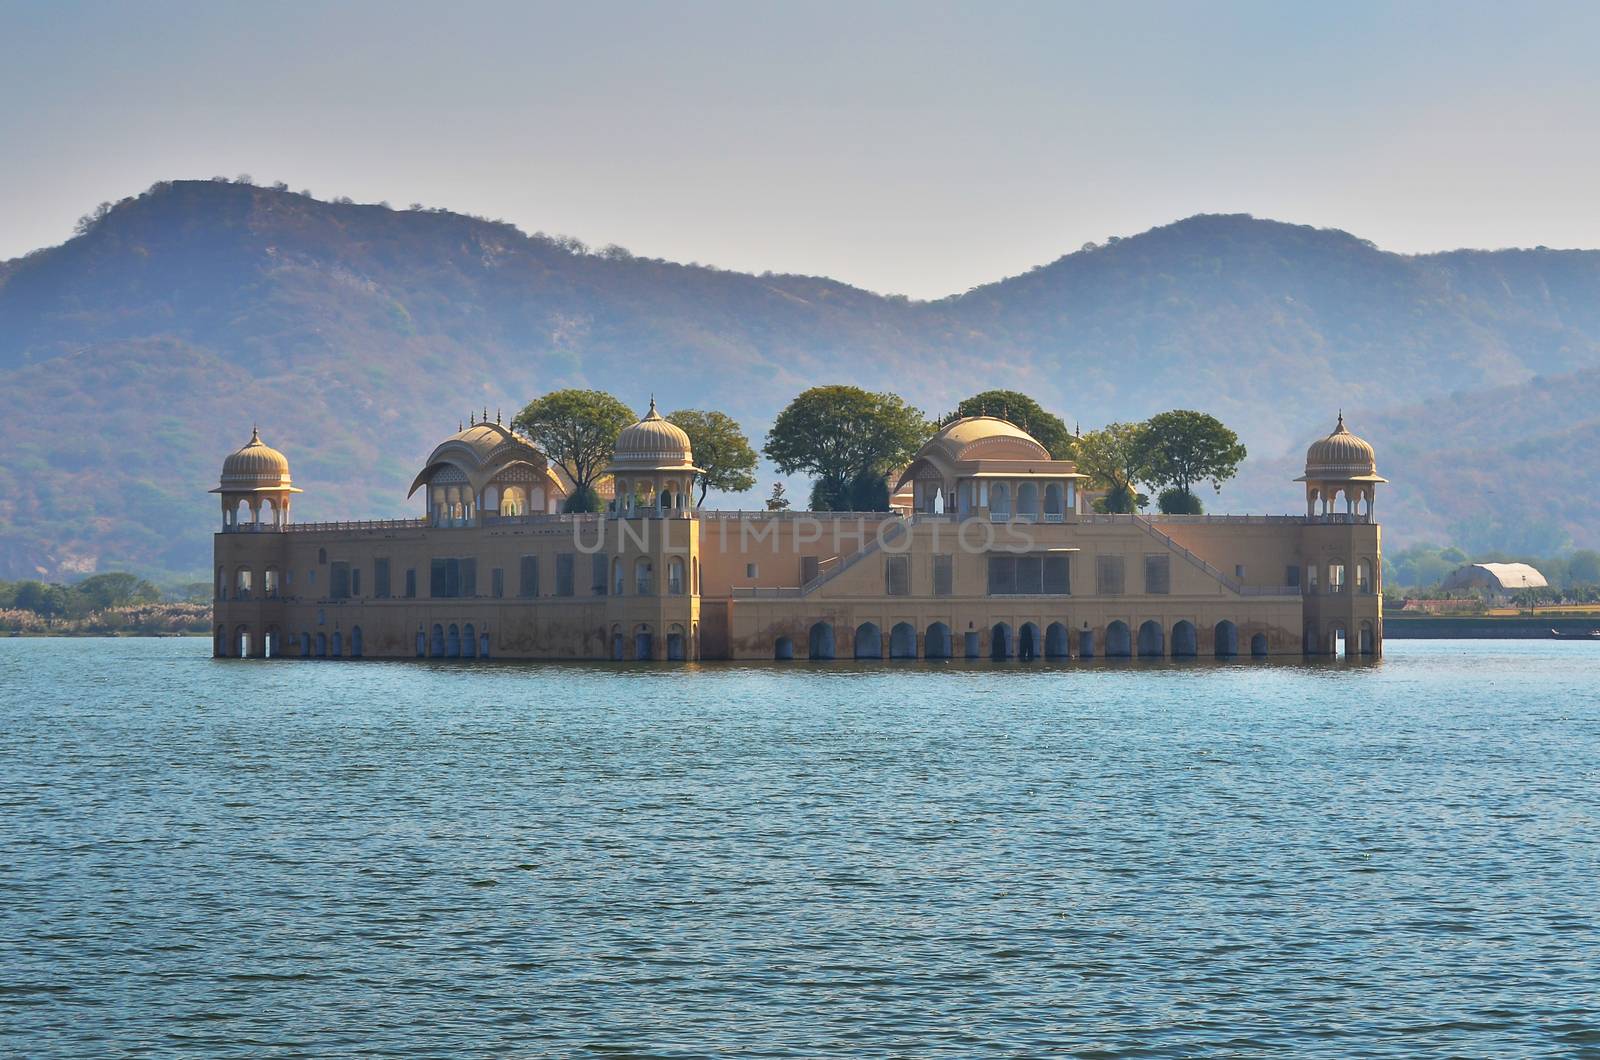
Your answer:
<point x="1050" y="430"/>
<point x="1183" y="447"/>
<point x="577" y="429"/>
<point x="1115" y="459"/>
<point x="721" y="450"/>
<point x="846" y="437"/>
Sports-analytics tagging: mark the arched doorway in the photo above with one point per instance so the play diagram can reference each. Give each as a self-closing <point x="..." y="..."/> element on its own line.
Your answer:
<point x="1028" y="638"/>
<point x="322" y="645"/>
<point x="305" y="645"/>
<point x="338" y="644"/>
<point x="1258" y="645"/>
<point x="452" y="642"/>
<point x="783" y="649"/>
<point x="1368" y="641"/>
<point x="936" y="642"/>
<point x="436" y="644"/>
<point x="1119" y="640"/>
<point x="644" y="646"/>
<point x="355" y="642"/>
<point x="483" y="645"/>
<point x="219" y="643"/>
<point x="821" y="641"/>
<point x="1338" y="643"/>
<point x="422" y="644"/>
<point x="1000" y="641"/>
<point x="1225" y="639"/>
<point x="1152" y="640"/>
<point x="675" y="650"/>
<point x="1057" y="643"/>
<point x="1086" y="643"/>
<point x="241" y="638"/>
<point x="1185" y="640"/>
<point x="903" y="641"/>
<point x="869" y="641"/>
<point x="469" y="641"/>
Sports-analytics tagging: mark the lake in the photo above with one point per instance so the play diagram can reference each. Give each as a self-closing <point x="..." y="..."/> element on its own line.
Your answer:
<point x="306" y="859"/>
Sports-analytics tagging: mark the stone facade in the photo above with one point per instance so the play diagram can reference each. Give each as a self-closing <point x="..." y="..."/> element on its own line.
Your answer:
<point x="995" y="553"/>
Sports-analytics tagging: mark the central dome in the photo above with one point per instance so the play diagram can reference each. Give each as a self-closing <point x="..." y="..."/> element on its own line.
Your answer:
<point x="653" y="443"/>
<point x="255" y="465"/>
<point x="1340" y="455"/>
<point x="986" y="437"/>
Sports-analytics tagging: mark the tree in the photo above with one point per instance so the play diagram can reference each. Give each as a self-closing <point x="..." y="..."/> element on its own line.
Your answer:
<point x="102" y="591"/>
<point x="577" y="429"/>
<point x="1114" y="458"/>
<point x="1048" y="428"/>
<point x="720" y="449"/>
<point x="846" y="437"/>
<point x="1184" y="447"/>
<point x="777" y="502"/>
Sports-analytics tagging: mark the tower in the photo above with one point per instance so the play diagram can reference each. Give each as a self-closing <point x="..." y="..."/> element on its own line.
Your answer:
<point x="1340" y="468"/>
<point x="255" y="482"/>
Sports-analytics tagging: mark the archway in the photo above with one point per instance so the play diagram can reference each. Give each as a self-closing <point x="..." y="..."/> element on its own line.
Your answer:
<point x="1152" y="640"/>
<point x="1309" y="645"/>
<point x="322" y="645"/>
<point x="869" y="641"/>
<point x="452" y="642"/>
<point x="1028" y="500"/>
<point x="1000" y="499"/>
<point x="1258" y="645"/>
<point x="1000" y="641"/>
<point x="1185" y="640"/>
<point x="483" y="645"/>
<point x="1028" y="639"/>
<point x="619" y="647"/>
<point x="355" y="642"/>
<point x="644" y="643"/>
<point x="821" y="641"/>
<point x="1119" y="640"/>
<point x="936" y="642"/>
<point x="1338" y="643"/>
<point x="1052" y="499"/>
<point x="219" y="643"/>
<point x="1225" y="639"/>
<point x="469" y="641"/>
<point x="903" y="641"/>
<point x="422" y="644"/>
<point x="675" y="652"/>
<point x="436" y="644"/>
<point x="305" y="645"/>
<point x="783" y="649"/>
<point x="1367" y="644"/>
<point x="1086" y="643"/>
<point x="241" y="637"/>
<point x="1056" y="641"/>
<point x="338" y="645"/>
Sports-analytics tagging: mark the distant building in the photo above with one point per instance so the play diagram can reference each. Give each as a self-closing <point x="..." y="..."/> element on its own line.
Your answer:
<point x="1499" y="581"/>
<point x="992" y="551"/>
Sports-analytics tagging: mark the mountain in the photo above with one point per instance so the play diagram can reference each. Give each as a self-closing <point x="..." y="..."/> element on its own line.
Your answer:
<point x="137" y="354"/>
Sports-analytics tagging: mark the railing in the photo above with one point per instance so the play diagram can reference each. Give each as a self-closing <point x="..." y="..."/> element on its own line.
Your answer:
<point x="846" y="562"/>
<point x="767" y="592"/>
<point x="358" y="524"/>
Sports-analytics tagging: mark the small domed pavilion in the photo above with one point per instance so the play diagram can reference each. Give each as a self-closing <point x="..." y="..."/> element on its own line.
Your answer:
<point x="255" y="477"/>
<point x="652" y="468"/>
<point x="1340" y="464"/>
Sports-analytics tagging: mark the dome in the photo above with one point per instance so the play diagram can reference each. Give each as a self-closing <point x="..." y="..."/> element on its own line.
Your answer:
<point x="985" y="438"/>
<point x="255" y="466"/>
<point x="1341" y="455"/>
<point x="480" y="451"/>
<point x="654" y="443"/>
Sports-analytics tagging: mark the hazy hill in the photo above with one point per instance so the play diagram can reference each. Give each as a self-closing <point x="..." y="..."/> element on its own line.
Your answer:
<point x="134" y="356"/>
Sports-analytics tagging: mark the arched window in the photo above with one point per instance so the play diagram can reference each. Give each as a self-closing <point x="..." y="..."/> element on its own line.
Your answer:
<point x="1000" y="499"/>
<point x="1364" y="576"/>
<point x="644" y="577"/>
<point x="1053" y="504"/>
<point x="675" y="576"/>
<point x="241" y="584"/>
<point x="1027" y="500"/>
<point x="617" y="576"/>
<point x="1336" y="576"/>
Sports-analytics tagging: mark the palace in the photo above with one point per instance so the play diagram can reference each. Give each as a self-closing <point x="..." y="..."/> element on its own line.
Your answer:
<point x="992" y="551"/>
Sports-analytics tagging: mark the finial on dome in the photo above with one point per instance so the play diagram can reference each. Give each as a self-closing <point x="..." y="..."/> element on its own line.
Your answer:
<point x="497" y="417"/>
<point x="1341" y="427"/>
<point x="255" y="435"/>
<point x="652" y="414"/>
<point x="485" y="415"/>
<point x="470" y="421"/>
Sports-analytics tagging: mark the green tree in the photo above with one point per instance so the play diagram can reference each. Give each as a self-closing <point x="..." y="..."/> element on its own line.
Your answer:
<point x="118" y="589"/>
<point x="1182" y="448"/>
<point x="1115" y="459"/>
<point x="777" y="502"/>
<point x="1050" y="430"/>
<point x="577" y="429"/>
<point x="720" y="449"/>
<point x="846" y="437"/>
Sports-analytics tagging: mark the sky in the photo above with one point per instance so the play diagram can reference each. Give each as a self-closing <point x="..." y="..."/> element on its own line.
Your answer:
<point x="908" y="148"/>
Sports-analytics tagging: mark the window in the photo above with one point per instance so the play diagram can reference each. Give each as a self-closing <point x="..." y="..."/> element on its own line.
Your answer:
<point x="809" y="568"/>
<point x="1238" y="571"/>
<point x="564" y="565"/>
<point x="644" y="577"/>
<point x="497" y="582"/>
<point x="752" y="570"/>
<point x="1030" y="574"/>
<point x="528" y="577"/>
<point x="600" y="569"/>
<point x="1336" y="577"/>
<point x="1158" y="574"/>
<point x="469" y="577"/>
<point x="1311" y="576"/>
<point x="675" y="576"/>
<point x="453" y="577"/>
<point x="411" y="583"/>
<point x="380" y="579"/>
<point x="897" y="575"/>
<point x="436" y="578"/>
<point x="1109" y="575"/>
<point x="322" y="555"/>
<point x="1291" y="575"/>
<point x="311" y="577"/>
<point x="355" y="581"/>
<point x="339" y="581"/>
<point x="944" y="575"/>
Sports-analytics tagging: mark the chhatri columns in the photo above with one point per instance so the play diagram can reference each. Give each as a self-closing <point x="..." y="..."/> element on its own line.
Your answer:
<point x="652" y="468"/>
<point x="1341" y="477"/>
<point x="255" y="487"/>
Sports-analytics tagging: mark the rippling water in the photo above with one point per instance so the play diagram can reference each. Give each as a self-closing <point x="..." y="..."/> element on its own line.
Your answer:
<point x="401" y="859"/>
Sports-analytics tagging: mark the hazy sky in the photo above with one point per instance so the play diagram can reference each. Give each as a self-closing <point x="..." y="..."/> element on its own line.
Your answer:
<point x="912" y="148"/>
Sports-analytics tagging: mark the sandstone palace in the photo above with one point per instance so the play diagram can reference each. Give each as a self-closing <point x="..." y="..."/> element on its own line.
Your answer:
<point x="992" y="550"/>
